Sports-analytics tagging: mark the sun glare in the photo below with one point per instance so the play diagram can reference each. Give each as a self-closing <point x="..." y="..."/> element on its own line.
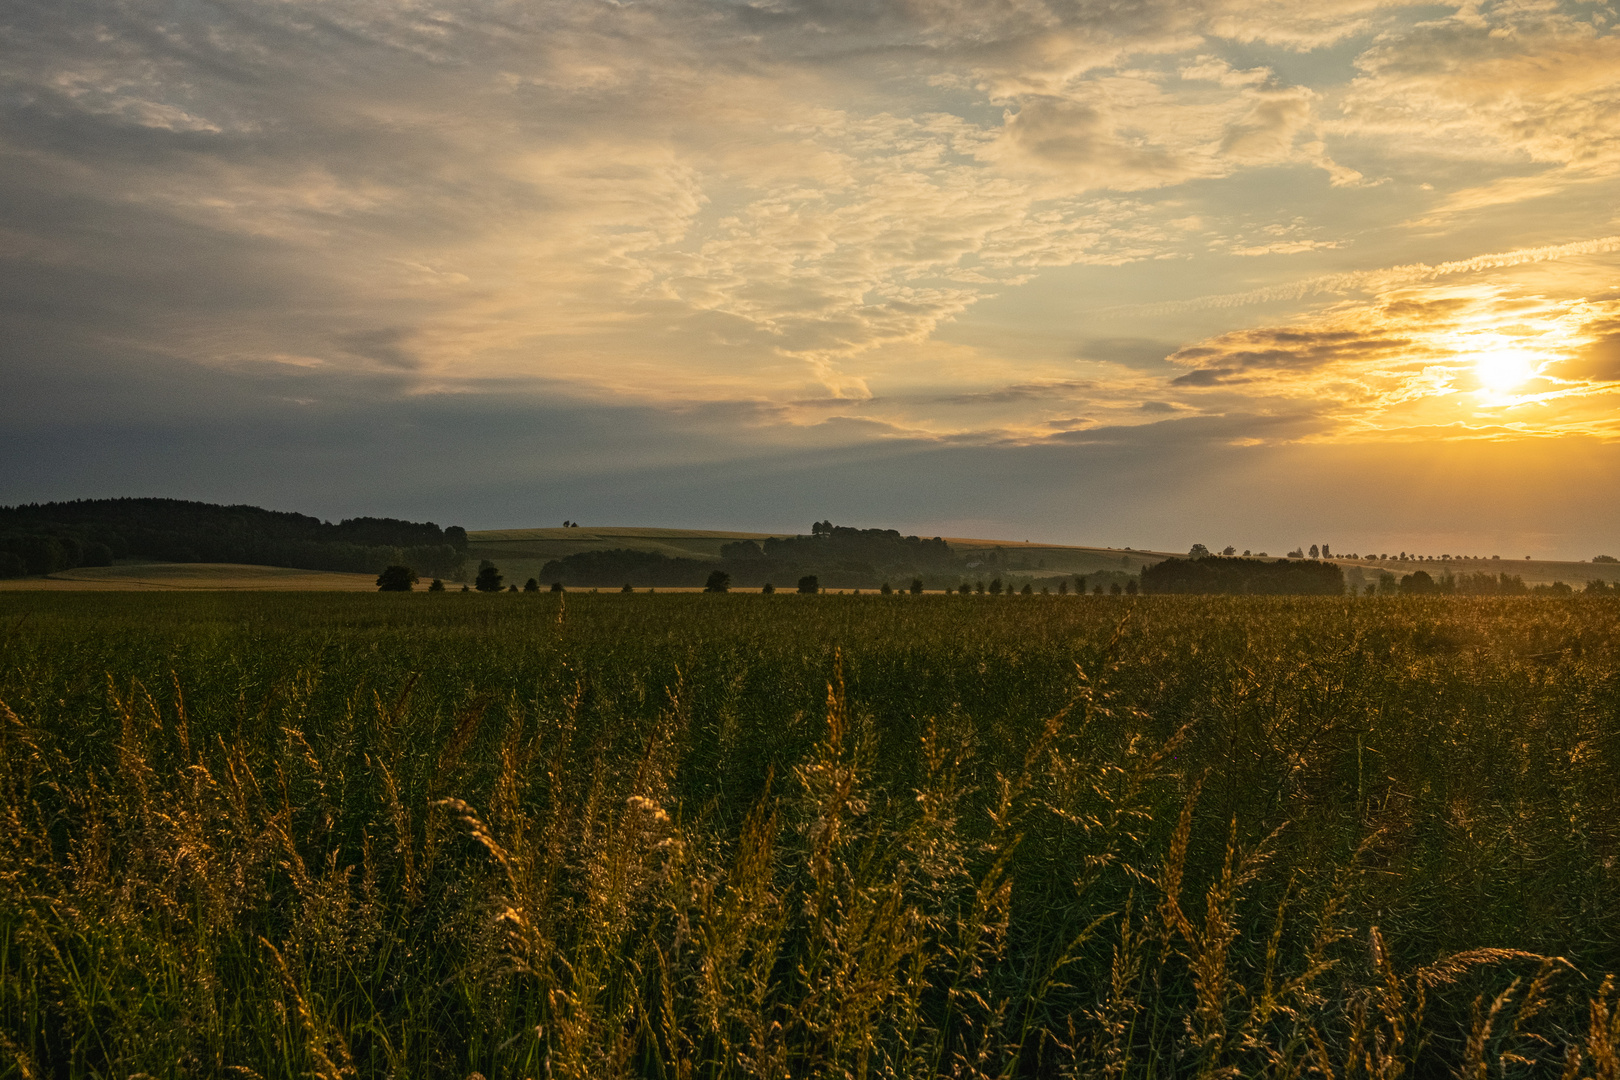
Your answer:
<point x="1504" y="370"/>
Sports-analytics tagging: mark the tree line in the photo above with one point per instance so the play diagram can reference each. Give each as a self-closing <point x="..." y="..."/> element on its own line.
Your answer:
<point x="44" y="538"/>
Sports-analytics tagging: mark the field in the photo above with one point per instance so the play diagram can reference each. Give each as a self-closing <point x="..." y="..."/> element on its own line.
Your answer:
<point x="169" y="577"/>
<point x="697" y="836"/>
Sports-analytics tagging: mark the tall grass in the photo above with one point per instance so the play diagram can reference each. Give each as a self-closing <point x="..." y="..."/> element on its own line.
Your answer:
<point x="694" y="837"/>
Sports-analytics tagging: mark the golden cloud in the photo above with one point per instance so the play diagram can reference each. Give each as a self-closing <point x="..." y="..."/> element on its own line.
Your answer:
<point x="1489" y="361"/>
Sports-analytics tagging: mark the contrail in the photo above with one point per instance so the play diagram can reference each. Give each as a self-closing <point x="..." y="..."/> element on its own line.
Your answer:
<point x="1371" y="280"/>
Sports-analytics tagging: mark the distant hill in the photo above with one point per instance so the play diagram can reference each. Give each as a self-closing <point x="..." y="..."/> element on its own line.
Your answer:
<point x="839" y="556"/>
<point x="43" y="538"/>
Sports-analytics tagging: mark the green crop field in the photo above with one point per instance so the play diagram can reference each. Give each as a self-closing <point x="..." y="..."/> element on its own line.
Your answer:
<point x="700" y="836"/>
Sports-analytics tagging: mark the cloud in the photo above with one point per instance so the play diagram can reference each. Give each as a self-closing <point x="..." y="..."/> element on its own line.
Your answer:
<point x="798" y="226"/>
<point x="1437" y="362"/>
<point x="1506" y="84"/>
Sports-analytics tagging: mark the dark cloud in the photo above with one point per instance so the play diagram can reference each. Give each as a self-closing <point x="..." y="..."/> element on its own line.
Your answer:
<point x="1207" y="377"/>
<point x="1225" y="359"/>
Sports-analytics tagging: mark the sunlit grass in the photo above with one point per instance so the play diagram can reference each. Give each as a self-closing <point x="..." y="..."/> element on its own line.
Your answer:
<point x="717" y="836"/>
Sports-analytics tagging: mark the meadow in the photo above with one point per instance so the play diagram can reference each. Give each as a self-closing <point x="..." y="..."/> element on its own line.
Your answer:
<point x="702" y="836"/>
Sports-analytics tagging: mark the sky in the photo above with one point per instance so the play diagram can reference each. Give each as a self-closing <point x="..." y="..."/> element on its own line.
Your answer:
<point x="1156" y="273"/>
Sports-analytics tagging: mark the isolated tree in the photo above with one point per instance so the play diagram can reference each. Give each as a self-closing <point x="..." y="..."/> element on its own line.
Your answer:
<point x="809" y="584"/>
<point x="627" y="588"/>
<point x="1063" y="587"/>
<point x="1314" y="552"/>
<point x="1229" y="551"/>
<point x="719" y="581"/>
<point x="1028" y="589"/>
<point x="512" y="588"/>
<point x="1325" y="553"/>
<point x="1197" y="551"/>
<point x="1115" y="589"/>
<point x="769" y="589"/>
<point x="1130" y="587"/>
<point x="916" y="586"/>
<point x="437" y="586"/>
<point x="531" y="585"/>
<point x="488" y="579"/>
<point x="557" y="586"/>
<point x="396" y="579"/>
<point x="885" y="590"/>
<point x="1079" y="585"/>
<point x="995" y="586"/>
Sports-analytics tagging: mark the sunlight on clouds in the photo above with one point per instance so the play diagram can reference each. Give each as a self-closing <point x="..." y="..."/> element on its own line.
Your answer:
<point x="1479" y="361"/>
<point x="787" y="207"/>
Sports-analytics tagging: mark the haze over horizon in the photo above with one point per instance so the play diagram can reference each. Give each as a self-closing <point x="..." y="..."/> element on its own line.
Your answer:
<point x="1220" y="271"/>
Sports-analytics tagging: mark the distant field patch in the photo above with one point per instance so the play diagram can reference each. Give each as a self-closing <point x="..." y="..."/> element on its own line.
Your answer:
<point x="138" y="577"/>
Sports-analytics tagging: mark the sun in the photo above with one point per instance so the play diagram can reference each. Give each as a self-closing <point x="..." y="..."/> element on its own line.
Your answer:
<point x="1504" y="370"/>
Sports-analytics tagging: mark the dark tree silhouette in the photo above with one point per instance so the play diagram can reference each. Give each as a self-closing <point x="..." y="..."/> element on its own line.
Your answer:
<point x="396" y="579"/>
<point x="557" y="586"/>
<point x="437" y="586"/>
<point x="916" y="586"/>
<point x="531" y="585"/>
<point x="488" y="579"/>
<point x="768" y="589"/>
<point x="964" y="588"/>
<point x="1418" y="583"/>
<point x="627" y="588"/>
<point x="809" y="584"/>
<point x="719" y="581"/>
<point x="1028" y="589"/>
<point x="885" y="589"/>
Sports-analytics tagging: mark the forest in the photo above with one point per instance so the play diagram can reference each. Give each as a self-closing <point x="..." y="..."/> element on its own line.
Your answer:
<point x="43" y="538"/>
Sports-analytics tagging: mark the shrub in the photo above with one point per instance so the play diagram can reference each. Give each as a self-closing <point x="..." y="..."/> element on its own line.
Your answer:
<point x="627" y="588"/>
